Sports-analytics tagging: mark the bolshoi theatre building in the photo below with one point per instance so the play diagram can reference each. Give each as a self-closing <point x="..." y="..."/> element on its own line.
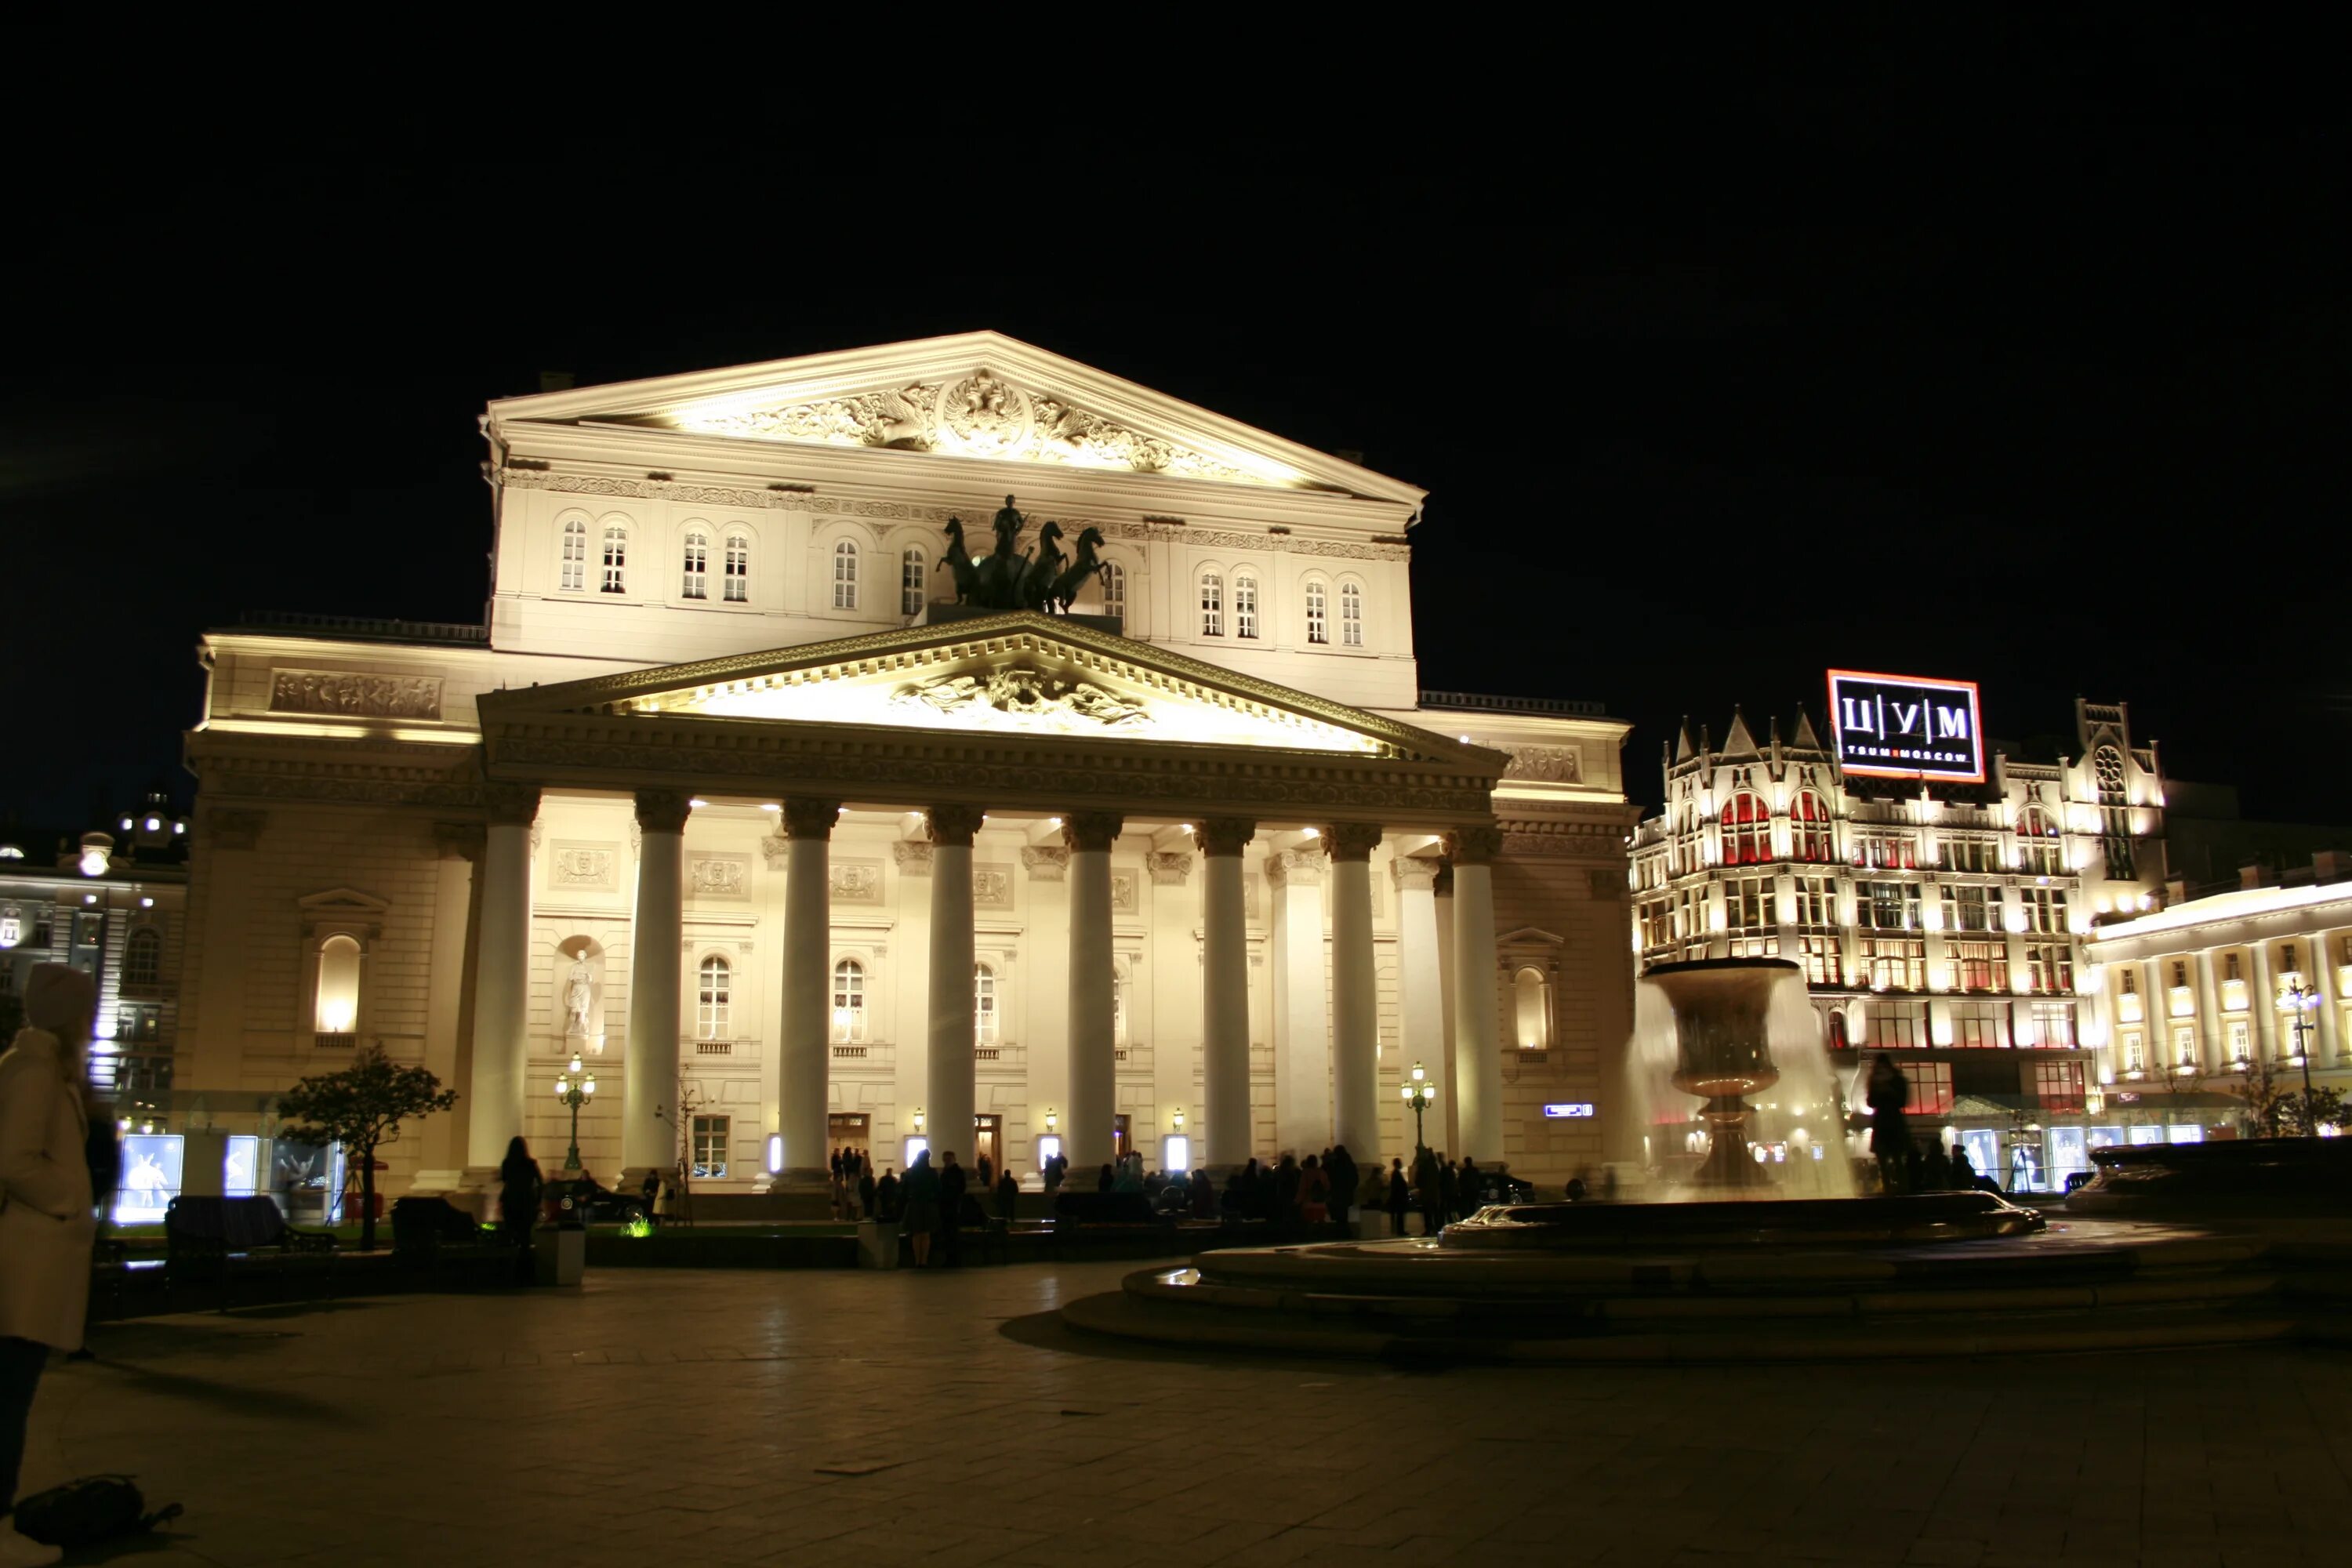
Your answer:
<point x="940" y="744"/>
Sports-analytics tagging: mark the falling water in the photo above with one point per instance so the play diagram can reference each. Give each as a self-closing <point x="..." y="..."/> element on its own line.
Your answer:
<point x="1803" y="1111"/>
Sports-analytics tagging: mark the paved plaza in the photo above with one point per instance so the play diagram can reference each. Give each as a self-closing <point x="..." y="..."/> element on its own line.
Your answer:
<point x="659" y="1418"/>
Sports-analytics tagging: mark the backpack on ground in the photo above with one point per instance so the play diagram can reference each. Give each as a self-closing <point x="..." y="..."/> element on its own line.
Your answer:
<point x="91" y="1510"/>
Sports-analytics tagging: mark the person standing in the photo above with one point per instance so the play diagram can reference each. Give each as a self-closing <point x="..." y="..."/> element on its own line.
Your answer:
<point x="1340" y="1170"/>
<point x="1008" y="1196"/>
<point x="47" y="1227"/>
<point x="954" y="1182"/>
<point x="1471" y="1190"/>
<point x="1285" y="1190"/>
<point x="921" y="1191"/>
<point x="520" y="1188"/>
<point x="866" y="1188"/>
<point x="1449" y="1188"/>
<point x="1314" y="1192"/>
<point x="886" y="1198"/>
<point x="1426" y="1189"/>
<point x="1400" y="1195"/>
<point x="1889" y="1099"/>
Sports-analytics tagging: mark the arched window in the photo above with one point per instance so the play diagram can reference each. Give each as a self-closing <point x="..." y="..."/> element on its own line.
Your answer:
<point x="616" y="559"/>
<point x="2039" y="847"/>
<point x="1317" y="629"/>
<point x="1351" y="614"/>
<point x="698" y="565"/>
<point x="844" y="575"/>
<point x="575" y="553"/>
<point x="1532" y="995"/>
<point x="913" y="584"/>
<point x="712" y="999"/>
<point x="983" y="1005"/>
<point x="1812" y="835"/>
<point x="336" y="1009"/>
<point x="1114" y="589"/>
<point x="142" y="960"/>
<point x="848" y="1001"/>
<point x="1212" y="604"/>
<point x="1747" y="830"/>
<point x="739" y="568"/>
<point x="1245" y="605"/>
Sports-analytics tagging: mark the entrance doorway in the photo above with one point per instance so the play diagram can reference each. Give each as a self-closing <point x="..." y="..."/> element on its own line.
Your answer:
<point x="1122" y="1136"/>
<point x="988" y="1143"/>
<point x="847" y="1131"/>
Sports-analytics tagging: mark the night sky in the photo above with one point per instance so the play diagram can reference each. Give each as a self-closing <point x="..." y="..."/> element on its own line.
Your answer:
<point x="2036" y="376"/>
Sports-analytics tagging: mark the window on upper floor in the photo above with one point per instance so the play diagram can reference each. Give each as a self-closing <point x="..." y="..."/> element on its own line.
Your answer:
<point x="713" y="999"/>
<point x="1114" y="589"/>
<point x="698" y="565"/>
<point x="575" y="553"/>
<point x="1812" y="835"/>
<point x="1245" y="605"/>
<point x="1212" y="604"/>
<point x="844" y="575"/>
<point x="2039" y="847"/>
<point x="1351" y="614"/>
<point x="983" y="1005"/>
<point x="142" y="960"/>
<point x="913" y="582"/>
<point x="848" y="1002"/>
<point x="739" y="568"/>
<point x="1747" y="830"/>
<point x="616" y="559"/>
<point x="1317" y="629"/>
<point x="336" y="1007"/>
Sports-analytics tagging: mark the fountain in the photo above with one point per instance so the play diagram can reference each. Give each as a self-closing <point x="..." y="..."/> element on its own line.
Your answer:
<point x="1723" y="1054"/>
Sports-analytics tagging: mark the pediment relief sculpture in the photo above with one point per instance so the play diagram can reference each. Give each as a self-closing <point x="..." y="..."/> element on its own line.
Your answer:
<point x="1030" y="697"/>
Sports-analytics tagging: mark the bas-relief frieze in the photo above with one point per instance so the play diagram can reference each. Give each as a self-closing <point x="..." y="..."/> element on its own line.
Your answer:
<point x="576" y="866"/>
<point x="1548" y="764"/>
<point x="719" y="875"/>
<point x="1030" y="697"/>
<point x="937" y="516"/>
<point x="1122" y="892"/>
<point x="355" y="696"/>
<point x="991" y="887"/>
<point x="857" y="881"/>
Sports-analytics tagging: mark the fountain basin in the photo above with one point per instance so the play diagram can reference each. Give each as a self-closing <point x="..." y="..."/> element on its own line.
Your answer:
<point x="1916" y="1219"/>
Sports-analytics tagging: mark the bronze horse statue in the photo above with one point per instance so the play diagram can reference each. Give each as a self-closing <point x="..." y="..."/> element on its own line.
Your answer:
<point x="1066" y="587"/>
<point x="1037" y="582"/>
<point x="997" y="580"/>
<point x="958" y="561"/>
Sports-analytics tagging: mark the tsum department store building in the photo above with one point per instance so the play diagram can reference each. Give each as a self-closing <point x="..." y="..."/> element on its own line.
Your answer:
<point x="730" y="798"/>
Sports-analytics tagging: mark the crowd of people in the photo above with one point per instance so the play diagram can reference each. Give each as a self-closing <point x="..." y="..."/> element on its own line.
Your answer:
<point x="1904" y="1165"/>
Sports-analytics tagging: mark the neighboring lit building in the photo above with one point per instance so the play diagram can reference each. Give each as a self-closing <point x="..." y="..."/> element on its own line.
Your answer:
<point x="1942" y="922"/>
<point x="2195" y="996"/>
<point x="703" y="802"/>
<point x="109" y="903"/>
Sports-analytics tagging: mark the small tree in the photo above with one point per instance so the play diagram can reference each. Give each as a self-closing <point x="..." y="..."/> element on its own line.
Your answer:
<point x="362" y="1107"/>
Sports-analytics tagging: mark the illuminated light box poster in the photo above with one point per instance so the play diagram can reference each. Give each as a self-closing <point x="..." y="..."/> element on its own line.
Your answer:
<point x="1907" y="726"/>
<point x="150" y="1177"/>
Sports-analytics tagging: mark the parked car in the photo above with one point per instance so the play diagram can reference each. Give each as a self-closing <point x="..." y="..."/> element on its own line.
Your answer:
<point x="580" y="1201"/>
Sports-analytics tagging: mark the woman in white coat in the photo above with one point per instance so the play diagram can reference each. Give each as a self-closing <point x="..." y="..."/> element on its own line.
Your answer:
<point x="45" y="1223"/>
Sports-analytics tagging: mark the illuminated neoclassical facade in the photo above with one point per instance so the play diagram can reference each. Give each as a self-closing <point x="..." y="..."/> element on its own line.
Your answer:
<point x="730" y="797"/>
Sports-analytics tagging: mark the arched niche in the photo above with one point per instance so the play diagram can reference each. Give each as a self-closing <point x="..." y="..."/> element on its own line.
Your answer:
<point x="579" y="1009"/>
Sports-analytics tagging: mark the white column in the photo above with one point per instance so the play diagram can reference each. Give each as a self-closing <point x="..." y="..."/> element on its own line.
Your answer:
<point x="1477" y="1021"/>
<point x="502" y="976"/>
<point x="1446" y="1132"/>
<point x="2320" y="976"/>
<point x="656" y="940"/>
<point x="1302" y="1003"/>
<point x="1421" y="981"/>
<point x="1355" y="991"/>
<point x="2265" y="1003"/>
<point x="1224" y="994"/>
<point x="949" y="1086"/>
<point x="441" y="1157"/>
<point x="1093" y="1042"/>
<point x="2208" y="1011"/>
<point x="807" y="988"/>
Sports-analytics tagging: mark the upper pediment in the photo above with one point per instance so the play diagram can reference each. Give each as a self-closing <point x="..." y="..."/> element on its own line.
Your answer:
<point x="1019" y="674"/>
<point x="979" y="395"/>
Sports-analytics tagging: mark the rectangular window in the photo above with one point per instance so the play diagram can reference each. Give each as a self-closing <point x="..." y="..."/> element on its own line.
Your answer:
<point x="1894" y="1030"/>
<point x="1212" y="606"/>
<point x="1351" y="616"/>
<point x="1316" y="632"/>
<point x="2135" y="1054"/>
<point x="1747" y="901"/>
<point x="1893" y="964"/>
<point x="913" y="584"/>
<point x="710" y="1135"/>
<point x="575" y="554"/>
<point x="2184" y="1046"/>
<point x="2050" y="967"/>
<point x="1819" y="952"/>
<point x="844" y="575"/>
<point x="1245" y="606"/>
<point x="616" y="560"/>
<point x="1931" y="1087"/>
<point x="739" y="569"/>
<point x="2242" y="1041"/>
<point x="698" y="565"/>
<point x="2046" y="909"/>
<point x="2058" y="1085"/>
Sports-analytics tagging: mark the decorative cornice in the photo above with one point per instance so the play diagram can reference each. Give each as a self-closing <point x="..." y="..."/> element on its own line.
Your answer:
<point x="1169" y="867"/>
<point x="1414" y="874"/>
<point x="1091" y="830"/>
<point x="807" y="818"/>
<point x="647" y="489"/>
<point x="1224" y="835"/>
<point x="954" y="824"/>
<point x="1476" y="845"/>
<point x="1301" y="867"/>
<point x="1350" y="840"/>
<point x="913" y="856"/>
<point x="663" y="810"/>
<point x="511" y="804"/>
<point x="1045" y="862"/>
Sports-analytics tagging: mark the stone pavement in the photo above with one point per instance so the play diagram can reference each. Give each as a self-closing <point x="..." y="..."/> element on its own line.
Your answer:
<point x="707" y="1418"/>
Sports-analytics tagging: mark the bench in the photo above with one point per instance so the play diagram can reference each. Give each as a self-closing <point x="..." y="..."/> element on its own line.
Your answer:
<point x="429" y="1234"/>
<point x="203" y="1234"/>
<point x="1104" y="1208"/>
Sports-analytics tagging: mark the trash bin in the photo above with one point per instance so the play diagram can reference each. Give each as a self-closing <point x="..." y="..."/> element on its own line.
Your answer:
<point x="558" y="1254"/>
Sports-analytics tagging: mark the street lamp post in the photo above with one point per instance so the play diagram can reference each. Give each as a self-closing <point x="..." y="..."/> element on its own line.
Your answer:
<point x="575" y="1087"/>
<point x="1419" y="1093"/>
<point x="2300" y="999"/>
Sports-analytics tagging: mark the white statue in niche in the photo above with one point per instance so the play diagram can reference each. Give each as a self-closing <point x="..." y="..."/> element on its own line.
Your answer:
<point x="579" y="995"/>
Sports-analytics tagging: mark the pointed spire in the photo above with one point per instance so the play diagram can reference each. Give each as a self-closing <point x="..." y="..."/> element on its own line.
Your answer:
<point x="1683" y="747"/>
<point x="1805" y="741"/>
<point x="1738" y="742"/>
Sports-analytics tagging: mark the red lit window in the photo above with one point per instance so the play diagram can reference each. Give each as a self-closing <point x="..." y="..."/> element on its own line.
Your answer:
<point x="2058" y="1085"/>
<point x="1747" y="831"/>
<point x="1931" y="1087"/>
<point x="1813" y="835"/>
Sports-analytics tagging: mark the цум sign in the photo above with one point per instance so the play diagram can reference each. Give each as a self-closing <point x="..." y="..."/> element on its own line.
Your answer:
<point x="1900" y="726"/>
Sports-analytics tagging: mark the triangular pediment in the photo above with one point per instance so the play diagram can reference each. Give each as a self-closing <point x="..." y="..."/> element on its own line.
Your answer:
<point x="1017" y="674"/>
<point x="979" y="395"/>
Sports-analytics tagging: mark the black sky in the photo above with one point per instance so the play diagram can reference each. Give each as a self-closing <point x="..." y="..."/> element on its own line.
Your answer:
<point x="2023" y="361"/>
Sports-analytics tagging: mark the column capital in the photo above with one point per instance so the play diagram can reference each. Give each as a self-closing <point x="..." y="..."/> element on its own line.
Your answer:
<point x="663" y="810"/>
<point x="913" y="856"/>
<point x="232" y="828"/>
<point x="1224" y="835"/>
<point x="1477" y="846"/>
<point x="1169" y="867"/>
<point x="806" y="819"/>
<point x="1352" y="840"/>
<point x="460" y="840"/>
<point x="1045" y="862"/>
<point x="1088" y="830"/>
<point x="511" y="804"/>
<point x="1302" y="867"/>
<point x="954" y="824"/>
<point x="1414" y="874"/>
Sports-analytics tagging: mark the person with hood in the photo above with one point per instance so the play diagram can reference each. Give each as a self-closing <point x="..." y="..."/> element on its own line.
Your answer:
<point x="46" y="1226"/>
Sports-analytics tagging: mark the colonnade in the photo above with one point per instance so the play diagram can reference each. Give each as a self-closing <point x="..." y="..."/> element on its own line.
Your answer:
<point x="1350" y="1115"/>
